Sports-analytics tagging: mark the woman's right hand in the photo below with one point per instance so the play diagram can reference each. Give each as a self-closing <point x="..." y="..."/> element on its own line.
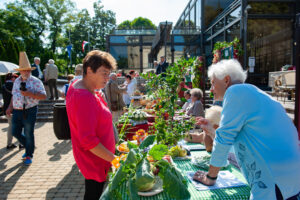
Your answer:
<point x="205" y="125"/>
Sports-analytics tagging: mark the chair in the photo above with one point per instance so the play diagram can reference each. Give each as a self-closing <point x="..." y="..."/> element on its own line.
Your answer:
<point x="288" y="85"/>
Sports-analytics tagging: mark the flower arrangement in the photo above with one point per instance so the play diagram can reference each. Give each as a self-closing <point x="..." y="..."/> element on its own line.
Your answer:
<point x="198" y="73"/>
<point x="219" y="46"/>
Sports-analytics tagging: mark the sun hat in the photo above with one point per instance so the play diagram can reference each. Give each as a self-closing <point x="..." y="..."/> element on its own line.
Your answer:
<point x="24" y="64"/>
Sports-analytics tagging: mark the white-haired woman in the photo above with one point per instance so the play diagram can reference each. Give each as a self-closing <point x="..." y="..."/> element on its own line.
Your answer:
<point x="264" y="138"/>
<point x="195" y="108"/>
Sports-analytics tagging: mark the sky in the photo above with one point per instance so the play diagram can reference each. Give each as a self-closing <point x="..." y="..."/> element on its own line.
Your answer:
<point x="155" y="10"/>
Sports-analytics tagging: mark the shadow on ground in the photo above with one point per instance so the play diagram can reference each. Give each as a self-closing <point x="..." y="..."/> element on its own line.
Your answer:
<point x="71" y="186"/>
<point x="59" y="149"/>
<point x="4" y="160"/>
<point x="8" y="185"/>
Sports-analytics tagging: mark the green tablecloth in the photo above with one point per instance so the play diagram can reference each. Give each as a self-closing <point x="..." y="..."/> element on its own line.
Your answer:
<point x="220" y="194"/>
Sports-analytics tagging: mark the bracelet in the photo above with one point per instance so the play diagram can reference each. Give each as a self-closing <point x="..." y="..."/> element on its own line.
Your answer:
<point x="212" y="178"/>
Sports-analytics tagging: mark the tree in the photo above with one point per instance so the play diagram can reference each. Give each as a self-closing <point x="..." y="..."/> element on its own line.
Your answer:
<point x="125" y="25"/>
<point x="142" y="23"/>
<point x="137" y="23"/>
<point x="102" y="25"/>
<point x="56" y="13"/>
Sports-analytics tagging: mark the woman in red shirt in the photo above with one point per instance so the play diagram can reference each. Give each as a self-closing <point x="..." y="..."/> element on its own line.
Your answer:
<point x="91" y="122"/>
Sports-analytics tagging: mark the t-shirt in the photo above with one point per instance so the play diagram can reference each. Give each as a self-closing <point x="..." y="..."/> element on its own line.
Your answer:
<point x="90" y="124"/>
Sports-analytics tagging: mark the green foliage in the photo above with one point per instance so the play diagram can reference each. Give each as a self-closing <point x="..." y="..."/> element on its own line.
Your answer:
<point x="125" y="25"/>
<point x="137" y="23"/>
<point x="158" y="151"/>
<point x="149" y="140"/>
<point x="219" y="46"/>
<point x="164" y="90"/>
<point x="144" y="177"/>
<point x="27" y="21"/>
<point x="173" y="182"/>
<point x="198" y="73"/>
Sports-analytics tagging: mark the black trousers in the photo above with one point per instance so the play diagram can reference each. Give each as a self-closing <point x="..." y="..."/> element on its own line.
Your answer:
<point x="93" y="189"/>
<point x="52" y="86"/>
<point x="280" y="197"/>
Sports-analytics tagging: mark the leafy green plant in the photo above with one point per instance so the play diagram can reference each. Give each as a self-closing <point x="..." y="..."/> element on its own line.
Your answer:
<point x="163" y="89"/>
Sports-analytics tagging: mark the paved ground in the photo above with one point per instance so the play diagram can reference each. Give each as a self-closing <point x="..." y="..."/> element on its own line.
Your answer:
<point x="52" y="175"/>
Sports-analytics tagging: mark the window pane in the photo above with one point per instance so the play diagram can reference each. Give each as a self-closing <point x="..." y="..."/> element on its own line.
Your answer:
<point x="121" y="55"/>
<point x="272" y="8"/>
<point x="233" y="15"/>
<point x="232" y="32"/>
<point x="117" y="39"/>
<point x="218" y="26"/>
<point x="192" y="17"/>
<point x="198" y="13"/>
<point x="178" y="39"/>
<point x="270" y="42"/>
<point x="212" y="8"/>
<point x="179" y="52"/>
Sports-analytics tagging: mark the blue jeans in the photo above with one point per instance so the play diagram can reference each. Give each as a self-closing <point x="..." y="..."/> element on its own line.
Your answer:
<point x="26" y="121"/>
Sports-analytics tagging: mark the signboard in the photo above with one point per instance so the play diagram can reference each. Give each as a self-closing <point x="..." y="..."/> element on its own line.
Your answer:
<point x="227" y="53"/>
<point x="251" y="64"/>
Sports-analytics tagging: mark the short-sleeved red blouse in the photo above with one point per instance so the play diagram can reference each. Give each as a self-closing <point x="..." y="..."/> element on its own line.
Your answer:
<point x="90" y="124"/>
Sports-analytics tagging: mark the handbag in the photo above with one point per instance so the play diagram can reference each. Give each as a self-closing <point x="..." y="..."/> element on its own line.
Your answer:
<point x="113" y="104"/>
<point x="60" y="122"/>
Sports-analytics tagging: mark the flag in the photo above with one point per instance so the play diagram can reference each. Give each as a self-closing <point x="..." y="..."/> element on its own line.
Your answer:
<point x="83" y="45"/>
<point x="69" y="49"/>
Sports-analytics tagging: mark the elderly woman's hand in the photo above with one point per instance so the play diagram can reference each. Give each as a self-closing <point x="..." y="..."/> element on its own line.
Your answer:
<point x="206" y="126"/>
<point x="203" y="178"/>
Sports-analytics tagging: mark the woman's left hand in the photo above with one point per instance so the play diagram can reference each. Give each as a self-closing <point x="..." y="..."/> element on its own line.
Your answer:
<point x="201" y="176"/>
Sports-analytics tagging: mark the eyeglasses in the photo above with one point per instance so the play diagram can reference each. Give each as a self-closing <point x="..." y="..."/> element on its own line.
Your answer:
<point x="105" y="73"/>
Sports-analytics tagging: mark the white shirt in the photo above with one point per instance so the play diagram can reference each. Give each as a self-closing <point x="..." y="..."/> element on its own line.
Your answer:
<point x="130" y="91"/>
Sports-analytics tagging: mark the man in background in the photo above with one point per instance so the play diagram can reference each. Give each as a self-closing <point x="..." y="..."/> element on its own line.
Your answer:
<point x="51" y="78"/>
<point x="26" y="93"/>
<point x="162" y="67"/>
<point x="37" y="71"/>
<point x="114" y="97"/>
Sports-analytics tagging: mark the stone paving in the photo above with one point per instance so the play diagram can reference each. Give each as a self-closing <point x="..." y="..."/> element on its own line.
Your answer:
<point x="52" y="175"/>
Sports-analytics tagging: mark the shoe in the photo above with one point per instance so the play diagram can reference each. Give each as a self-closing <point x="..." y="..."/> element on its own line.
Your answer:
<point x="28" y="161"/>
<point x="21" y="147"/>
<point x="11" y="146"/>
<point x="51" y="98"/>
<point x="24" y="156"/>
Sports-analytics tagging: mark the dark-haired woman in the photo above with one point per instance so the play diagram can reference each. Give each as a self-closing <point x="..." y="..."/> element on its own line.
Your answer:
<point x="91" y="122"/>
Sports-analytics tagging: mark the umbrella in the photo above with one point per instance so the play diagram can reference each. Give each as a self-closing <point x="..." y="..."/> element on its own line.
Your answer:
<point x="6" y="67"/>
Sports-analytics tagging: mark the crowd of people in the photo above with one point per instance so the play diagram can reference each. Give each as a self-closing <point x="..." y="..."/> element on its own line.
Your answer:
<point x="239" y="119"/>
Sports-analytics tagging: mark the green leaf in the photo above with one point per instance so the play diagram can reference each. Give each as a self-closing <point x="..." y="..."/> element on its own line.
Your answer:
<point x="148" y="141"/>
<point x="131" y="145"/>
<point x="173" y="186"/>
<point x="118" y="178"/>
<point x="158" y="151"/>
<point x="133" y="192"/>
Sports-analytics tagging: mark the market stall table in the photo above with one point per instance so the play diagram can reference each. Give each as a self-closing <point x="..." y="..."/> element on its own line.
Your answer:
<point x="238" y="193"/>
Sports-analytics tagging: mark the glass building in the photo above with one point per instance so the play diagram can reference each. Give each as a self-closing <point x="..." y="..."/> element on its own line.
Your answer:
<point x="265" y="28"/>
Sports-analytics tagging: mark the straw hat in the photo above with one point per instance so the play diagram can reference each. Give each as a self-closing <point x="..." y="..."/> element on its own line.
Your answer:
<point x="24" y="62"/>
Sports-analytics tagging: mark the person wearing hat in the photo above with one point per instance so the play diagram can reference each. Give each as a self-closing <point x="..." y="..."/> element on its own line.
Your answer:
<point x="27" y="91"/>
<point x="51" y="75"/>
<point x="78" y="73"/>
